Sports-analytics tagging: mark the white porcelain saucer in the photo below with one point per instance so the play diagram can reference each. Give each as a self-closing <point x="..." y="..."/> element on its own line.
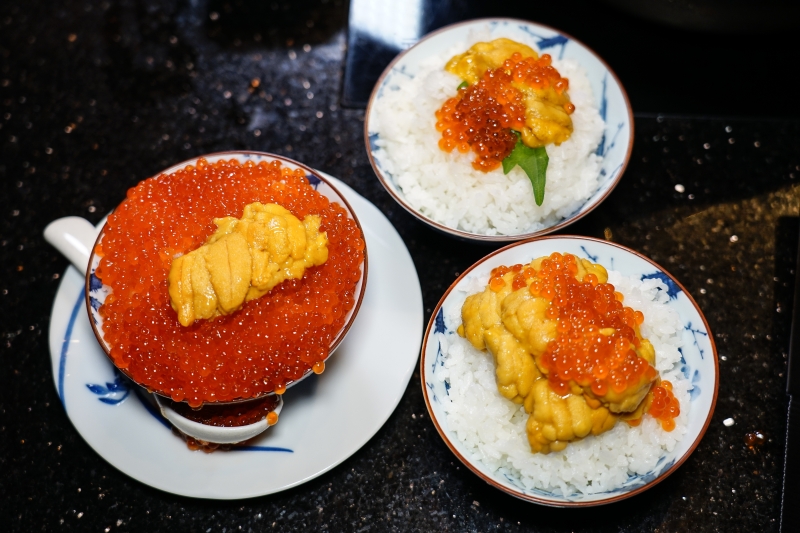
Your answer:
<point x="325" y="419"/>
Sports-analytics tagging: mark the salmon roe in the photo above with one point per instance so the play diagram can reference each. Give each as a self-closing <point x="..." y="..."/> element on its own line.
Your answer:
<point x="664" y="406"/>
<point x="480" y="117"/>
<point x="580" y="352"/>
<point x="230" y="414"/>
<point x="272" y="340"/>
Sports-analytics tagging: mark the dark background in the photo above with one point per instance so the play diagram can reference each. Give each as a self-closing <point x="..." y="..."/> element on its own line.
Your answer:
<point x="700" y="57"/>
<point x="95" y="96"/>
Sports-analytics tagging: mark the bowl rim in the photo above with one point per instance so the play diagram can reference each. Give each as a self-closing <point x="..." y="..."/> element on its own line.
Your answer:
<point x="221" y="155"/>
<point x="537" y="499"/>
<point x="477" y="236"/>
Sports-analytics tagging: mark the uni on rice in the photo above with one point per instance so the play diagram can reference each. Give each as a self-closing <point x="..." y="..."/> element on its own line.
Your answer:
<point x="446" y="187"/>
<point x="494" y="427"/>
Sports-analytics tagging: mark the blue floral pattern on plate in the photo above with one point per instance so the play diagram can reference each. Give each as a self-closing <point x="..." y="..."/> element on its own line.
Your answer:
<point x="114" y="392"/>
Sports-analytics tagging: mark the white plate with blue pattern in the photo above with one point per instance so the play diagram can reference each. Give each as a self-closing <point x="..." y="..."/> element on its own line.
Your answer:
<point x="698" y="362"/>
<point x="326" y="418"/>
<point x="611" y="99"/>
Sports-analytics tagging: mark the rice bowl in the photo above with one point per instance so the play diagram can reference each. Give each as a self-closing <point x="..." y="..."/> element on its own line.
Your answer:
<point x="487" y="431"/>
<point x="443" y="190"/>
<point x="445" y="187"/>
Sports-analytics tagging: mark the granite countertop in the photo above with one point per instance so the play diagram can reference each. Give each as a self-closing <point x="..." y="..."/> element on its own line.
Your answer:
<point x="97" y="96"/>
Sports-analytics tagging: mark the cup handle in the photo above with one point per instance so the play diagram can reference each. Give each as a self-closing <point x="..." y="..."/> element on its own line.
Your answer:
<point x="74" y="237"/>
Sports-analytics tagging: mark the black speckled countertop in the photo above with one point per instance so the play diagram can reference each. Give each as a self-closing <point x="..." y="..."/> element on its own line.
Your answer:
<point x="95" y="96"/>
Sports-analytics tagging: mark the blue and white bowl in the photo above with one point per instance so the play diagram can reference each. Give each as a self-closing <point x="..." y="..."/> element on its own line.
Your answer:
<point x="611" y="100"/>
<point x="698" y="363"/>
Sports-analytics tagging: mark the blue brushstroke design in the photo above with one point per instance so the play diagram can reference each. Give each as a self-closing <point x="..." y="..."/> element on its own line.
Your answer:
<point x="548" y="42"/>
<point x="602" y="149"/>
<point x="603" y="111"/>
<point x="694" y="333"/>
<point x="684" y="367"/>
<point x="590" y="256"/>
<point x="436" y="359"/>
<point x="614" y="138"/>
<point x="62" y="363"/>
<point x="373" y="139"/>
<point x="430" y="386"/>
<point x="94" y="282"/>
<point x="695" y="390"/>
<point x="260" y="449"/>
<point x="110" y="392"/>
<point x="313" y="180"/>
<point x="672" y="288"/>
<point x="95" y="303"/>
<point x="603" y="100"/>
<point x="373" y="148"/>
<point x="111" y="401"/>
<point x="438" y="325"/>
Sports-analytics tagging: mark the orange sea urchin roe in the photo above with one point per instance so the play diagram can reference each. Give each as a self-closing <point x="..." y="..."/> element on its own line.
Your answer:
<point x="581" y="352"/>
<point x="480" y="117"/>
<point x="268" y="343"/>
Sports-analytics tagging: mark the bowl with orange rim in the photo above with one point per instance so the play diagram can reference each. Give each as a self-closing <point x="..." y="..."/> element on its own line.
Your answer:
<point x="506" y="432"/>
<point x="457" y="150"/>
<point x="217" y="372"/>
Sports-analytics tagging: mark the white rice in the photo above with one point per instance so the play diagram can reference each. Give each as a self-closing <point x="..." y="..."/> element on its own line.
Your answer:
<point x="493" y="428"/>
<point x="445" y="187"/>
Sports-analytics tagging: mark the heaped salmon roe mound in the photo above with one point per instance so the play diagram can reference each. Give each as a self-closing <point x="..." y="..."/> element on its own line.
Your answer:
<point x="664" y="406"/>
<point x="272" y="340"/>
<point x="480" y="117"/>
<point x="580" y="352"/>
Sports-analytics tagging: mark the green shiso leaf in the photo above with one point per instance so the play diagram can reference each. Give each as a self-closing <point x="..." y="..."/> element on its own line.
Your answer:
<point x="531" y="160"/>
<point x="462" y="85"/>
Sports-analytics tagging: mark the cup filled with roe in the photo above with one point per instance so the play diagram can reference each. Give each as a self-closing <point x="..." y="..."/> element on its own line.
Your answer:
<point x="223" y="281"/>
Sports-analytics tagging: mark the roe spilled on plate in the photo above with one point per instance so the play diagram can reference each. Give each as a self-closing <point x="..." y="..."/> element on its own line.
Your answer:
<point x="441" y="176"/>
<point x="271" y="340"/>
<point x="579" y="421"/>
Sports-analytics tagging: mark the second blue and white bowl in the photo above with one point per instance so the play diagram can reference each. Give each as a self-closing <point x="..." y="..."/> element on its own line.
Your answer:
<point x="697" y="362"/>
<point x="610" y="99"/>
